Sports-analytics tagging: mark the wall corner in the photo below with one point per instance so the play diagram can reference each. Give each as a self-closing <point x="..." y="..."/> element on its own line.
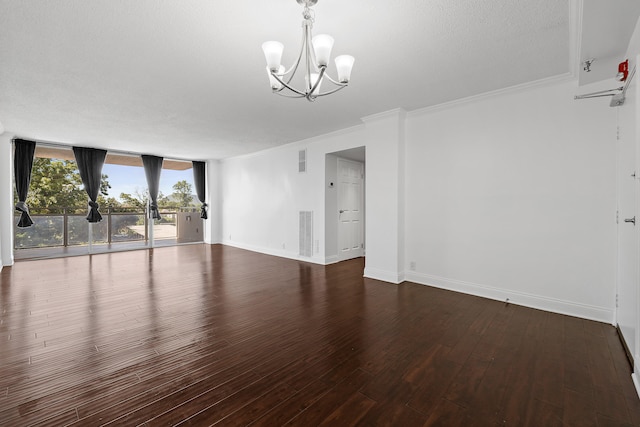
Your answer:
<point x="385" y="142"/>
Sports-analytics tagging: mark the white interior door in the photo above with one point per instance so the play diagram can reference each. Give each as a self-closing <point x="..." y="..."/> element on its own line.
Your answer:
<point x="628" y="174"/>
<point x="350" y="209"/>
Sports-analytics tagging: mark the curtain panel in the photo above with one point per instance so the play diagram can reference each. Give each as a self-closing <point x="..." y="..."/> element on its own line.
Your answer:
<point x="199" y="178"/>
<point x="22" y="166"/>
<point x="90" y="162"/>
<point x="152" y="169"/>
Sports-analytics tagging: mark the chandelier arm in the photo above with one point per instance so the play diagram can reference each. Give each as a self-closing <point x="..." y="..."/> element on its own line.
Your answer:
<point x="307" y="34"/>
<point x="319" y="80"/>
<point x="286" y="84"/>
<point x="289" y="96"/>
<point x="335" y="82"/>
<point x="294" y="67"/>
<point x="331" y="91"/>
<point x="311" y="53"/>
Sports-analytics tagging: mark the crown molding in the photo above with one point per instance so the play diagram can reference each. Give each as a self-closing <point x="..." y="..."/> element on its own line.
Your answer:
<point x="562" y="78"/>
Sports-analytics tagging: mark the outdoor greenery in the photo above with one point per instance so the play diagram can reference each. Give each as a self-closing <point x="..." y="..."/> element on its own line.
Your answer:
<point x="56" y="188"/>
<point x="56" y="184"/>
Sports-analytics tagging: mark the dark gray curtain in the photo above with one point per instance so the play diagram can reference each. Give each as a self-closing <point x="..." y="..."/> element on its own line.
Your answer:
<point x="90" y="161"/>
<point x="152" y="168"/>
<point x="199" y="178"/>
<point x="22" y="165"/>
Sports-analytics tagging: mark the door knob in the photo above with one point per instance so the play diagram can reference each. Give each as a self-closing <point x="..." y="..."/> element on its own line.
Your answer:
<point x="341" y="211"/>
<point x="631" y="220"/>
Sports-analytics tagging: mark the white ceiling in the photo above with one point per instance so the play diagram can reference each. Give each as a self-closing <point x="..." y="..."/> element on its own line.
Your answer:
<point x="187" y="78"/>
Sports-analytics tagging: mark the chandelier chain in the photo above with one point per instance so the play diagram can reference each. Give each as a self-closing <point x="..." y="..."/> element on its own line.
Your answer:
<point x="309" y="14"/>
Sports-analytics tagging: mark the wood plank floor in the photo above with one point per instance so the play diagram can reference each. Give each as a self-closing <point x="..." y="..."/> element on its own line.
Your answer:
<point x="213" y="335"/>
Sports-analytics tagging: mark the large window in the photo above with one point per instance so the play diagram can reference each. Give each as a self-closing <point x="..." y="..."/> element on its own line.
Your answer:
<point x="58" y="203"/>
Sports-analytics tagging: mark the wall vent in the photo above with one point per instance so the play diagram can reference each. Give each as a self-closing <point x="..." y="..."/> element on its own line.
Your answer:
<point x="302" y="160"/>
<point x="306" y="233"/>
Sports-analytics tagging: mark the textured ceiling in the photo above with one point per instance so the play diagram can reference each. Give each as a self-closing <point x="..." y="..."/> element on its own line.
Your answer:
<point x="187" y="78"/>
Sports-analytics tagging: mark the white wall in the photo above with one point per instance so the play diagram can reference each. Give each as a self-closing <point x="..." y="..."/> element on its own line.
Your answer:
<point x="384" y="206"/>
<point x="513" y="197"/>
<point x="505" y="196"/>
<point x="262" y="194"/>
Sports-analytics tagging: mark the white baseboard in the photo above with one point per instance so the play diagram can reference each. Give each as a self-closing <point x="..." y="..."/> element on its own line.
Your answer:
<point x="7" y="261"/>
<point x="331" y="259"/>
<point x="601" y="314"/>
<point x="384" y="275"/>
<point x="636" y="382"/>
<point x="275" y="252"/>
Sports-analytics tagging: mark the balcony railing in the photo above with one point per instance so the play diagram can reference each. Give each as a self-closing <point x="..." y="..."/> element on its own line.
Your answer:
<point x="70" y="228"/>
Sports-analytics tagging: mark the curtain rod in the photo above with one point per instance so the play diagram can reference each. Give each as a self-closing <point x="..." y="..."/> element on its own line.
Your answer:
<point x="51" y="144"/>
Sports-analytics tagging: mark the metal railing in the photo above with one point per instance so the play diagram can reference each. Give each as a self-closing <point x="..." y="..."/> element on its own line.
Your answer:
<point x="69" y="227"/>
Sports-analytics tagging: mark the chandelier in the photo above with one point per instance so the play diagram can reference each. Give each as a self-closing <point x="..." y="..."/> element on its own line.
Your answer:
<point x="314" y="56"/>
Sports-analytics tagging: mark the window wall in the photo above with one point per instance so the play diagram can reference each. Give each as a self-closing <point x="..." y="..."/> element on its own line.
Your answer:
<point x="58" y="204"/>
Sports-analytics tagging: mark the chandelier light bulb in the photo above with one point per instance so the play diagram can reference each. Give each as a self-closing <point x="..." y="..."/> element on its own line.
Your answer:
<point x="273" y="53"/>
<point x="322" y="45"/>
<point x="344" y="64"/>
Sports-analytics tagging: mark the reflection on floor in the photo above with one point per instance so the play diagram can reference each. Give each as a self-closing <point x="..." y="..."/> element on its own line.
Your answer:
<point x="62" y="251"/>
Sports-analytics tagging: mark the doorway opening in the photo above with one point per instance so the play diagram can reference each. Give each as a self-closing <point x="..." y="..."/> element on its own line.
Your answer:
<point x="345" y="205"/>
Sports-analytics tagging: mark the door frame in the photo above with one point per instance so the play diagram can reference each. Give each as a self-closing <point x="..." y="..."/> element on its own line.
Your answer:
<point x="331" y="243"/>
<point x="628" y="126"/>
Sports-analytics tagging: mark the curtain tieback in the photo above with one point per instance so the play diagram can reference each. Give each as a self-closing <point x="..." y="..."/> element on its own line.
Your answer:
<point x="155" y="213"/>
<point x="94" y="214"/>
<point x="22" y="207"/>
<point x="203" y="211"/>
<point x="25" y="220"/>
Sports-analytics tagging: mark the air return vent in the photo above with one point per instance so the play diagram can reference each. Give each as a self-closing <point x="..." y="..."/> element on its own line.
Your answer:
<point x="306" y="233"/>
<point x="302" y="161"/>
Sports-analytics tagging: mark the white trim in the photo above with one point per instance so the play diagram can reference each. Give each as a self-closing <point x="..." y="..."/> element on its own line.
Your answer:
<point x="275" y="252"/>
<point x="401" y="112"/>
<point x="331" y="259"/>
<point x="601" y="314"/>
<point x="386" y="276"/>
<point x="125" y="153"/>
<point x="636" y="383"/>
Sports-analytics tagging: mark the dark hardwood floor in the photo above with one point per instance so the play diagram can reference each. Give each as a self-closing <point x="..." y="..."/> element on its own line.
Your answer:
<point x="204" y="335"/>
